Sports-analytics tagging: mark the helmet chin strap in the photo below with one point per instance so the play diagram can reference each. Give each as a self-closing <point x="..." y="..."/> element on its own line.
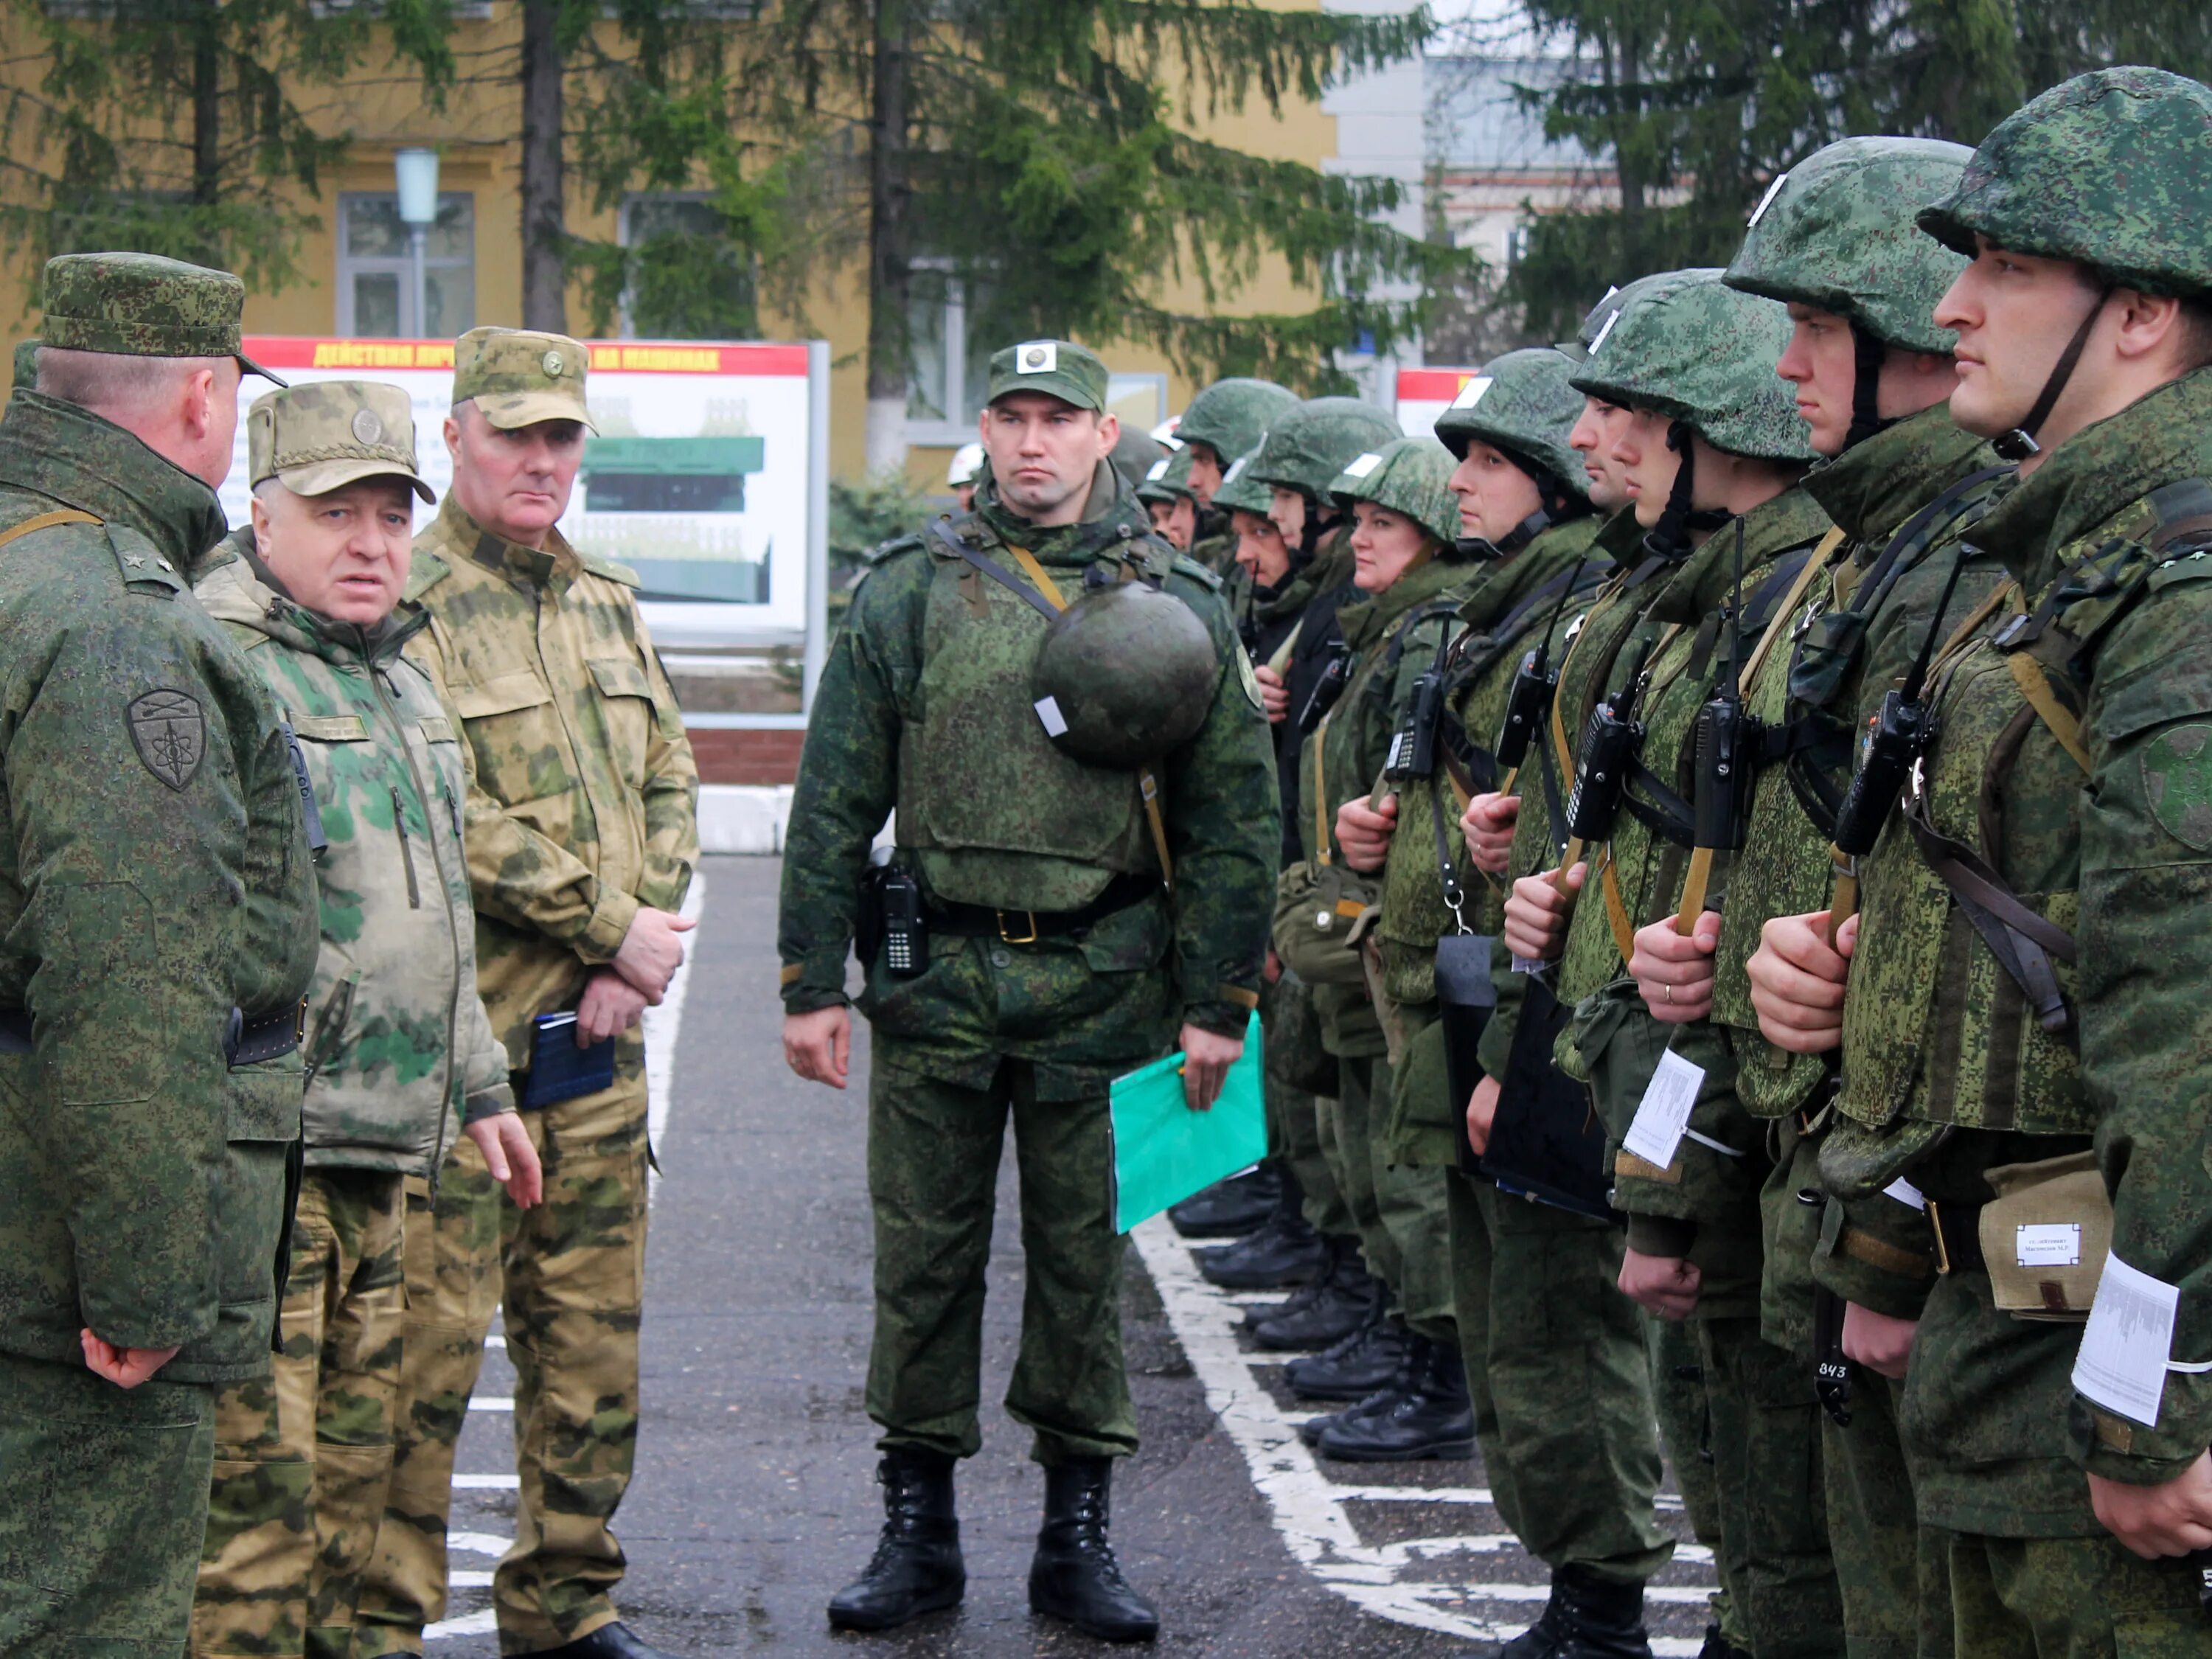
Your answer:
<point x="1670" y="537"/>
<point x="1481" y="547"/>
<point x="1869" y="354"/>
<point x="2017" y="445"/>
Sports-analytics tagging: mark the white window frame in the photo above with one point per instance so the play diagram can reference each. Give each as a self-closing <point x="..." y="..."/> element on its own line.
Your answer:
<point x="626" y="326"/>
<point x="352" y="264"/>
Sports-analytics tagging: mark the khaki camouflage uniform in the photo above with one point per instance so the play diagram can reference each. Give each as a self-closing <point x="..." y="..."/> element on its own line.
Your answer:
<point x="155" y="883"/>
<point x="398" y="1051"/>
<point x="580" y="809"/>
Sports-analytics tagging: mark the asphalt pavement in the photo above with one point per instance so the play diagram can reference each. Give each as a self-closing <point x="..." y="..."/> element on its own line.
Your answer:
<point x="755" y="1499"/>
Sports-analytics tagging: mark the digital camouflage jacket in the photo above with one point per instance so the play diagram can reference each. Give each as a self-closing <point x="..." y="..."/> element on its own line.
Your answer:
<point x="1003" y="818"/>
<point x="583" y="799"/>
<point x="398" y="1048"/>
<point x="1392" y="635"/>
<point x="1947" y="1069"/>
<point x="154" y="879"/>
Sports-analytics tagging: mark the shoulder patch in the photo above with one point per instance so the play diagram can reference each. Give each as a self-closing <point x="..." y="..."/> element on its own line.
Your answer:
<point x="170" y="734"/>
<point x="143" y="566"/>
<point x="1186" y="566"/>
<point x="611" y="570"/>
<point x="2177" y="779"/>
<point x="2181" y="567"/>
<point x="911" y="542"/>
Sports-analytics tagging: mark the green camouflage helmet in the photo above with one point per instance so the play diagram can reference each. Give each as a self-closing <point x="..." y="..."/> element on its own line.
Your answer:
<point x="1128" y="672"/>
<point x="1617" y="299"/>
<point x="1240" y="491"/>
<point x="1135" y="456"/>
<point x="1169" y="476"/>
<point x="1412" y="478"/>
<point x="1700" y="352"/>
<point x="1230" y="417"/>
<point x="2108" y="169"/>
<point x="1521" y="403"/>
<point x="1836" y="232"/>
<point x="1305" y="449"/>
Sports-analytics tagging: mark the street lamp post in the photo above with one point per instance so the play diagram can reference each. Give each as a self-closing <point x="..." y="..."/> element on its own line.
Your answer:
<point x="417" y="171"/>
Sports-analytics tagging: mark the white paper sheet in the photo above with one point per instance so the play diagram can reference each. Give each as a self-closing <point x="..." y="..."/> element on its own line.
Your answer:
<point x="1664" y="1112"/>
<point x="2122" y="1364"/>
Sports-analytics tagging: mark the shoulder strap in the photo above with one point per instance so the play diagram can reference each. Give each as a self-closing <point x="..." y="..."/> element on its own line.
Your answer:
<point x="1778" y="624"/>
<point x="46" y="522"/>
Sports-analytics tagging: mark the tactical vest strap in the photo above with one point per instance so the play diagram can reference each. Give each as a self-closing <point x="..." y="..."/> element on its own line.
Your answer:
<point x="1779" y="622"/>
<point x="46" y="522"/>
<point x="2042" y="697"/>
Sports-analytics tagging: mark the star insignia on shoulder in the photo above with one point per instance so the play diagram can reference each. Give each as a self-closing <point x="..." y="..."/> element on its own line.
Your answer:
<point x="134" y="562"/>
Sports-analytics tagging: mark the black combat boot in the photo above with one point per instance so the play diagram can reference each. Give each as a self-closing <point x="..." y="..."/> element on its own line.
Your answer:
<point x="1347" y="1300"/>
<point x="1231" y="1208"/>
<point x="615" y="1641"/>
<point x="1589" y="1618"/>
<point x="1285" y="1251"/>
<point x="917" y="1567"/>
<point x="1718" y="1646"/>
<point x="1073" y="1576"/>
<point x="1353" y="1367"/>
<point x="1430" y="1417"/>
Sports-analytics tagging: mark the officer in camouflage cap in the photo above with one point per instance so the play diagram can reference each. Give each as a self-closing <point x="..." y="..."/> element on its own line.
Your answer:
<point x="1224" y="422"/>
<point x="1713" y="444"/>
<point x="2021" y="1050"/>
<point x="1079" y="917"/>
<point x="539" y="650"/>
<point x="398" y="1050"/>
<point x="1315" y="1246"/>
<point x="164" y="933"/>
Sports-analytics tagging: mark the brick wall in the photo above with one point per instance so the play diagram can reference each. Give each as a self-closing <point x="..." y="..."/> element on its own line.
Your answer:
<point x="728" y="757"/>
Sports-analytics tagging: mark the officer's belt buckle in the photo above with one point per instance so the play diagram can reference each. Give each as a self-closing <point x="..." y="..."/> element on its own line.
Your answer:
<point x="1030" y="937"/>
<point x="1936" y="1226"/>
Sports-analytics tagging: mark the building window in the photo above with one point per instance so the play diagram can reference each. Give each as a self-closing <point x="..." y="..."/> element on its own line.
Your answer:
<point x="949" y="365"/>
<point x="687" y="278"/>
<point x="376" y="268"/>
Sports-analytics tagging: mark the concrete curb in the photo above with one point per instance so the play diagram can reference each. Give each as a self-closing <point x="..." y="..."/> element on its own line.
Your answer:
<point x="743" y="818"/>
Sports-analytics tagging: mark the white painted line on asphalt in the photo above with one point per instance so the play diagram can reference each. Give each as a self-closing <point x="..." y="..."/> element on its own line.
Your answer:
<point x="476" y="1623"/>
<point x="478" y="1543"/>
<point x="660" y="1026"/>
<point x="487" y="1482"/>
<point x="468" y="1579"/>
<point x="1308" y="1508"/>
<point x="491" y="1402"/>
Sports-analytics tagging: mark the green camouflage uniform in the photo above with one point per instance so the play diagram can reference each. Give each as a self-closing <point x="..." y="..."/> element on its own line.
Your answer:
<point x="925" y="705"/>
<point x="1392" y="635"/>
<point x="399" y="1049"/>
<point x="155" y="882"/>
<point x="1693" y="352"/>
<point x="1839" y="235"/>
<point x="580" y="809"/>
<point x="1950" y="1071"/>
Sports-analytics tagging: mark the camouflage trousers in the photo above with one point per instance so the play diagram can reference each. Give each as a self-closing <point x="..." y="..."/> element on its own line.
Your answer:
<point x="1292" y="1031"/>
<point x="2068" y="1598"/>
<point x="570" y="1277"/>
<point x="106" y="1499"/>
<point x="1774" y="1555"/>
<point x="1678" y="1393"/>
<point x="1555" y="1364"/>
<point x="302" y="1458"/>
<point x="934" y="1152"/>
<point x="1397" y="1209"/>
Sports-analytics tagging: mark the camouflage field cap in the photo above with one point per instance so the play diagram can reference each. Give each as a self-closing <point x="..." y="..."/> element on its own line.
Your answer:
<point x="1698" y="351"/>
<point x="1240" y="491"/>
<point x="1231" y="417"/>
<point x="1412" y="477"/>
<point x="140" y="305"/>
<point x="1060" y="368"/>
<point x="321" y="436"/>
<point x="1170" y="477"/>
<point x="1617" y="299"/>
<point x="1522" y="403"/>
<point x="2109" y="168"/>
<point x="1307" y="447"/>
<point x="1838" y="232"/>
<point x="520" y="377"/>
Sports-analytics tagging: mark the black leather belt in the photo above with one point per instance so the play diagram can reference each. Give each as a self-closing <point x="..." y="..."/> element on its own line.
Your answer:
<point x="1028" y="926"/>
<point x="252" y="1038"/>
<point x="1957" y="1230"/>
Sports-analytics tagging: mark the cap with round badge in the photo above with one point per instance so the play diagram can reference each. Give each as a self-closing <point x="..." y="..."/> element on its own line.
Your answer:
<point x="517" y="377"/>
<point x="1060" y="369"/>
<point x="140" y="305"/>
<point x="322" y="436"/>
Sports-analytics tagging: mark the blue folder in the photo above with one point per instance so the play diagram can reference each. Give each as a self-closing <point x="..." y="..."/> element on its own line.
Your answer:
<point x="1164" y="1151"/>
